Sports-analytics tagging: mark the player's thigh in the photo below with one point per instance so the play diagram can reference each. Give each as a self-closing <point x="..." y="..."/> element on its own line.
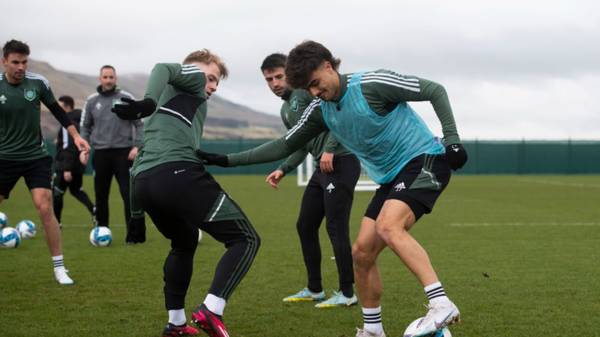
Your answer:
<point x="396" y="213"/>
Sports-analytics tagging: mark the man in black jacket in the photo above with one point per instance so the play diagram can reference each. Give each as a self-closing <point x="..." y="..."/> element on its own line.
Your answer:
<point x="68" y="169"/>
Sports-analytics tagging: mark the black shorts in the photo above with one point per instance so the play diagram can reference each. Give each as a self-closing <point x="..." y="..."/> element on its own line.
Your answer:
<point x="37" y="174"/>
<point x="182" y="193"/>
<point x="419" y="184"/>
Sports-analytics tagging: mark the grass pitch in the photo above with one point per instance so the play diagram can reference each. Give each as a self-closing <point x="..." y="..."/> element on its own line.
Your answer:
<point x="518" y="255"/>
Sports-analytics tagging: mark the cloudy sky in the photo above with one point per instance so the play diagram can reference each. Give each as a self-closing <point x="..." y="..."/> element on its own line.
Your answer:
<point x="513" y="69"/>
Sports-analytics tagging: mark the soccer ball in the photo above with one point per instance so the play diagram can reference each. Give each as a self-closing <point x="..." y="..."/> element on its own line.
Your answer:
<point x="26" y="228"/>
<point x="199" y="235"/>
<point x="412" y="327"/>
<point x="3" y="220"/>
<point x="9" y="238"/>
<point x="100" y="236"/>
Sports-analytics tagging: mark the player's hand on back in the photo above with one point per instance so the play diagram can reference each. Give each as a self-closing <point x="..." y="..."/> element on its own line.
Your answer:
<point x="274" y="178"/>
<point x="456" y="155"/>
<point x="326" y="163"/>
<point x="213" y="158"/>
<point x="131" y="109"/>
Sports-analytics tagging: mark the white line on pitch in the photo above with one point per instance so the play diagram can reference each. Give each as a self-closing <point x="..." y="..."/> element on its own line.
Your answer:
<point x="558" y="183"/>
<point x="524" y="224"/>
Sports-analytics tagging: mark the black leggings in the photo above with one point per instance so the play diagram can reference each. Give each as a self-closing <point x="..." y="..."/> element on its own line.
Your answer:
<point x="178" y="197"/>
<point x="59" y="187"/>
<point x="329" y="196"/>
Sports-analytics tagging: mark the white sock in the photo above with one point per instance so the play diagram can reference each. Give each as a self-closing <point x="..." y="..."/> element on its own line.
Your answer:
<point x="372" y="320"/>
<point x="215" y="304"/>
<point x="58" y="262"/>
<point x="436" y="294"/>
<point x="177" y="317"/>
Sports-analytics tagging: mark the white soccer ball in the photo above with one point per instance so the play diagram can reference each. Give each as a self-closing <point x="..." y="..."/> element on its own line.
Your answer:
<point x="199" y="235"/>
<point x="3" y="220"/>
<point x="412" y="327"/>
<point x="100" y="236"/>
<point x="9" y="238"/>
<point x="26" y="228"/>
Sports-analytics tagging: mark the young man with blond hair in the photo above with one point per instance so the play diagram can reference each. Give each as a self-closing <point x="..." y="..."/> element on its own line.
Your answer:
<point x="171" y="184"/>
<point x="368" y="113"/>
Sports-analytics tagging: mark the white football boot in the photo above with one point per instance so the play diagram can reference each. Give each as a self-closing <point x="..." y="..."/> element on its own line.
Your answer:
<point x="60" y="274"/>
<point x="365" y="333"/>
<point x="439" y="316"/>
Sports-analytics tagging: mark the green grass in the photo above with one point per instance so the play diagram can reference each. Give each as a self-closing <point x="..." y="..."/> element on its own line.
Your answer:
<point x="537" y="237"/>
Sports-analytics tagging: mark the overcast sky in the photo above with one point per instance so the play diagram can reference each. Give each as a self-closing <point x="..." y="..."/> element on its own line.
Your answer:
<point x="513" y="69"/>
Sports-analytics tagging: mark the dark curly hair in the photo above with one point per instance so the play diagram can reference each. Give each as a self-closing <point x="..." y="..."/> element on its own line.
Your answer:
<point x="14" y="46"/>
<point x="303" y="60"/>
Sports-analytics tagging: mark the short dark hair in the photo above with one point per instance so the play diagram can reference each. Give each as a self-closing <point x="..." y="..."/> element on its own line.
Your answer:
<point x="14" y="46"/>
<point x="276" y="60"/>
<point x="303" y="60"/>
<point x="107" y="66"/>
<point x="67" y="100"/>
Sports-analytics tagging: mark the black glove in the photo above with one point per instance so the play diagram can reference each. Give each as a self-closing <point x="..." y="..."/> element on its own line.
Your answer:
<point x="134" y="109"/>
<point x="213" y="158"/>
<point x="456" y="155"/>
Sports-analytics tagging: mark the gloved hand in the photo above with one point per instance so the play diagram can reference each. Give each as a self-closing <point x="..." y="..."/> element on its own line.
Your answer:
<point x="134" y="109"/>
<point x="213" y="158"/>
<point x="456" y="155"/>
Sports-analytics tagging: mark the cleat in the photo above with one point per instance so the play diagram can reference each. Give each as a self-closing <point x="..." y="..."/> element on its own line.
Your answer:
<point x="176" y="331"/>
<point x="338" y="300"/>
<point x="365" y="333"/>
<point x="305" y="295"/>
<point x="439" y="316"/>
<point x="62" y="278"/>
<point x="209" y="322"/>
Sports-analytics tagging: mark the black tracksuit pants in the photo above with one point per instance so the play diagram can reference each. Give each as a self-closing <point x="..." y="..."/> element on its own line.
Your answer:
<point x="108" y="163"/>
<point x="182" y="197"/>
<point x="59" y="187"/>
<point x="329" y="196"/>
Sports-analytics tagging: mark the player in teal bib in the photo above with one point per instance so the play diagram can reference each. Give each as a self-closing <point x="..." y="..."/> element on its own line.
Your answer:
<point x="384" y="144"/>
<point x="368" y="113"/>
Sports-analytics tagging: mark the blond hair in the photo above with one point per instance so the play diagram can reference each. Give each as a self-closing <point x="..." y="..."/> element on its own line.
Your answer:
<point x="205" y="56"/>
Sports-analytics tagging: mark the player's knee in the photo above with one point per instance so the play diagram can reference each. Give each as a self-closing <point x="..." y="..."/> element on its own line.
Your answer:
<point x="44" y="209"/>
<point x="362" y="256"/>
<point x="254" y="240"/>
<point x="387" y="229"/>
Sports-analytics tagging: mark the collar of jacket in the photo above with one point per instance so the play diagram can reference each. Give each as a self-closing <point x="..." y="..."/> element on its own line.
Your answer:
<point x="107" y="92"/>
<point x="286" y="95"/>
<point x="343" y="87"/>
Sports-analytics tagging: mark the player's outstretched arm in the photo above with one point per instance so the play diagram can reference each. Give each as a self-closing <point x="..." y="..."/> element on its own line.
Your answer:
<point x="394" y="88"/>
<point x="131" y="109"/>
<point x="265" y="153"/>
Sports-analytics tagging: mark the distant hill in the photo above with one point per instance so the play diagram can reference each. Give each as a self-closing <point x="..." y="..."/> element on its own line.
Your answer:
<point x="226" y="119"/>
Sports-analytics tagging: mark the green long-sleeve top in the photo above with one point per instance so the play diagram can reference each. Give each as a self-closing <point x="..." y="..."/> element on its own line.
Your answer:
<point x="174" y="131"/>
<point x="294" y="104"/>
<point x="382" y="98"/>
